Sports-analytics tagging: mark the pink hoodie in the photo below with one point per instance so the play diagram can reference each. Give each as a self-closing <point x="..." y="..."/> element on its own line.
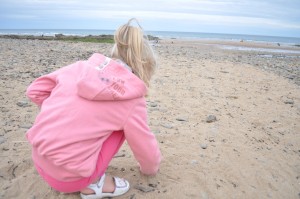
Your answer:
<point x="81" y="105"/>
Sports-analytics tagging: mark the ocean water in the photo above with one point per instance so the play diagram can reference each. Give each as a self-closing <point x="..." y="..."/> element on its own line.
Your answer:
<point x="263" y="50"/>
<point x="160" y="34"/>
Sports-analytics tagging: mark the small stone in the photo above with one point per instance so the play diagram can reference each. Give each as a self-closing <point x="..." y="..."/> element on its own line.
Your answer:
<point x="132" y="196"/>
<point x="156" y="131"/>
<point x="143" y="188"/>
<point x="211" y="118"/>
<point x="152" y="185"/>
<point x="153" y="104"/>
<point x="204" y="195"/>
<point x="4" y="110"/>
<point x="23" y="104"/>
<point x="2" y="140"/>
<point x="194" y="162"/>
<point x="222" y="71"/>
<point x="181" y="119"/>
<point x="289" y="101"/>
<point x="203" y="146"/>
<point x="25" y="126"/>
<point x="168" y="126"/>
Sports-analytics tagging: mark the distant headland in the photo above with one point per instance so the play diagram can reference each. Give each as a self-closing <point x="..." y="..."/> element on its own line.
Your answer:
<point x="75" y="38"/>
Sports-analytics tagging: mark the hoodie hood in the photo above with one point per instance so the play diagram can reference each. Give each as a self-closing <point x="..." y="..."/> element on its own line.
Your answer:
<point x="106" y="79"/>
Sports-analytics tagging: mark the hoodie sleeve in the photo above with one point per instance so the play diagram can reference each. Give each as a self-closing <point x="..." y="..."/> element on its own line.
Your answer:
<point x="41" y="88"/>
<point x="141" y="141"/>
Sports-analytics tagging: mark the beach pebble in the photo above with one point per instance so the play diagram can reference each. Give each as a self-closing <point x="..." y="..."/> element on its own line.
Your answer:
<point x="211" y="118"/>
<point x="144" y="188"/>
<point x="153" y="104"/>
<point x="157" y="131"/>
<point x="181" y="119"/>
<point x="23" y="104"/>
<point x="2" y="140"/>
<point x="152" y="185"/>
<point x="222" y="71"/>
<point x="289" y="101"/>
<point x="194" y="162"/>
<point x="36" y="75"/>
<point x="25" y="126"/>
<point x="168" y="126"/>
<point x="204" y="195"/>
<point x="203" y="146"/>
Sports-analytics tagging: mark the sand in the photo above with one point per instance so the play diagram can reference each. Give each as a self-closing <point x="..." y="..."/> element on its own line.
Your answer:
<point x="249" y="148"/>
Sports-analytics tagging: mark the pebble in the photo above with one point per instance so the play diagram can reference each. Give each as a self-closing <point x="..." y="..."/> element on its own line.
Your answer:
<point x="132" y="196"/>
<point x="23" y="104"/>
<point x="152" y="185"/>
<point x="168" y="126"/>
<point x="289" y="101"/>
<point x="211" y="118"/>
<point x="194" y="162"/>
<point x="153" y="104"/>
<point x="181" y="119"/>
<point x="203" y="146"/>
<point x="156" y="131"/>
<point x="144" y="188"/>
<point x="25" y="126"/>
<point x="204" y="195"/>
<point x="222" y="71"/>
<point x="2" y="140"/>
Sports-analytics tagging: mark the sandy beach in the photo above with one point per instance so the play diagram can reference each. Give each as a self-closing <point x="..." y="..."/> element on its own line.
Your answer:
<point x="226" y="115"/>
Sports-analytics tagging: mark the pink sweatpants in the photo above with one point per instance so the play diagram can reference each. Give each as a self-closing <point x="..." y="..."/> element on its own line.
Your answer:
<point x="109" y="148"/>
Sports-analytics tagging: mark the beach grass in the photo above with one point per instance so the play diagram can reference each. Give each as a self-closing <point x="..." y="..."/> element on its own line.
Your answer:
<point x="61" y="37"/>
<point x="71" y="38"/>
<point x="86" y="39"/>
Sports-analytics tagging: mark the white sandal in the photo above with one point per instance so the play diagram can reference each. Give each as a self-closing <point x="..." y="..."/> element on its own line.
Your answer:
<point x="122" y="186"/>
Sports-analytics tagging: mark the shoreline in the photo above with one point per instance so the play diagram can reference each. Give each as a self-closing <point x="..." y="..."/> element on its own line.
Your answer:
<point x="161" y="34"/>
<point x="258" y="44"/>
<point x="108" y="38"/>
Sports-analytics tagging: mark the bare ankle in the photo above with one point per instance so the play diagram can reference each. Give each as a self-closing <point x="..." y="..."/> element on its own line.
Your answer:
<point x="87" y="191"/>
<point x="108" y="187"/>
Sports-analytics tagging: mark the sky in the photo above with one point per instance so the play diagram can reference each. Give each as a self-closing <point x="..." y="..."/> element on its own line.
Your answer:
<point x="254" y="17"/>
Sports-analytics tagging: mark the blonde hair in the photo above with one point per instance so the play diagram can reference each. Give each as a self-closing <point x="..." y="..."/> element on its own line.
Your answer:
<point x="132" y="47"/>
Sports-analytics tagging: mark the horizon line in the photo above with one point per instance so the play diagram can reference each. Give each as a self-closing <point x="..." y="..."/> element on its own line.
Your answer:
<point x="246" y="34"/>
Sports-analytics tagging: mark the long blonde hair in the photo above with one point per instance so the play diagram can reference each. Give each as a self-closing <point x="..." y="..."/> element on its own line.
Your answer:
<point x="132" y="47"/>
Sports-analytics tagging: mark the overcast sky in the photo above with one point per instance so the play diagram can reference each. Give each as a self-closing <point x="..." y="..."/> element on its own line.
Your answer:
<point x="259" y="17"/>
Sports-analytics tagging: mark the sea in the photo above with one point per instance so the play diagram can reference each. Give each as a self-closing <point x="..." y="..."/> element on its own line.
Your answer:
<point x="160" y="34"/>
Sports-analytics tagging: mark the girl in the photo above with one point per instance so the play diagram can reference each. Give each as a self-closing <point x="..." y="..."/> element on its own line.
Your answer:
<point x="87" y="110"/>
